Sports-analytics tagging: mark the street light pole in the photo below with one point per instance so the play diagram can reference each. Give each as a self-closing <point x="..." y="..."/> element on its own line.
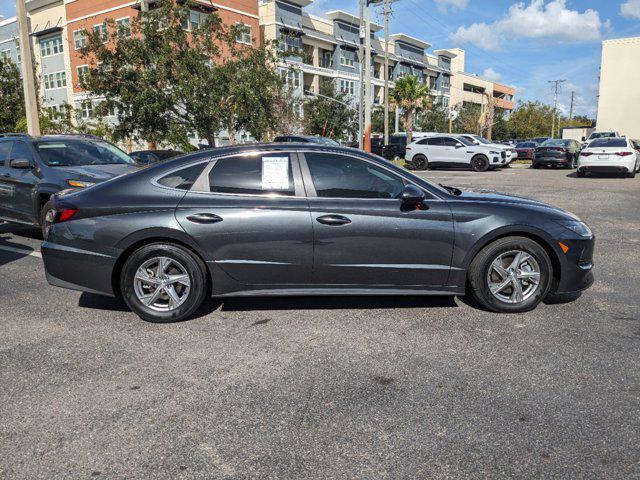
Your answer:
<point x="369" y="87"/>
<point x="28" y="78"/>
<point x="386" y="71"/>
<point x="361" y="93"/>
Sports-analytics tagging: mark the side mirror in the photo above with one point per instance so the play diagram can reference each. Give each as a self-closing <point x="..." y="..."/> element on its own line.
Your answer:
<point x="21" y="163"/>
<point x="459" y="145"/>
<point x="412" y="195"/>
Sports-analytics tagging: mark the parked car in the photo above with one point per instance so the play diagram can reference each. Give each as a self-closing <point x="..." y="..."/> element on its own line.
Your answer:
<point x="282" y="219"/>
<point x="149" y="157"/>
<point x="511" y="153"/>
<point x="453" y="151"/>
<point x="557" y="152"/>
<point x="609" y="155"/>
<point x="34" y="168"/>
<point x="525" y="150"/>
<point x="306" y="139"/>
<point x="396" y="148"/>
<point x="597" y="135"/>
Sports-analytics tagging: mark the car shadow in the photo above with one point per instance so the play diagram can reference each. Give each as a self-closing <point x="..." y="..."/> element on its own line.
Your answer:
<point x="21" y="231"/>
<point x="561" y="299"/>
<point x="101" y="302"/>
<point x="11" y="251"/>
<point x="596" y="175"/>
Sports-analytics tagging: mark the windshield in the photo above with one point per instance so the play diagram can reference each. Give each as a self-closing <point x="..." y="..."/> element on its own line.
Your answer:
<point x="556" y="143"/>
<point x="608" y="143"/>
<point x="78" y="152"/>
<point x="325" y="141"/>
<point x="466" y="141"/>
<point x="602" y="135"/>
<point x="482" y="140"/>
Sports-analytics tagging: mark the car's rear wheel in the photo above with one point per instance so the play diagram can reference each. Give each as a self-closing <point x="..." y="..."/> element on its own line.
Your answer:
<point x="163" y="283"/>
<point x="420" y="162"/>
<point x="580" y="173"/>
<point x="511" y="275"/>
<point x="47" y="215"/>
<point x="632" y="174"/>
<point x="480" y="163"/>
<point x="535" y="165"/>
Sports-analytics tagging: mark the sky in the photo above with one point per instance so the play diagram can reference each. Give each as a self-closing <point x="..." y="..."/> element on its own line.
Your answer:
<point x="523" y="43"/>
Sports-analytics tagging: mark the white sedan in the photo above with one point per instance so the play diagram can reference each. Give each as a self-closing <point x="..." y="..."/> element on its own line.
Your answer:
<point x="609" y="155"/>
<point x="453" y="151"/>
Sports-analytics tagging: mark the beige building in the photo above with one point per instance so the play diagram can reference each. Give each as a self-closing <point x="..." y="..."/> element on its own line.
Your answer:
<point x="619" y="100"/>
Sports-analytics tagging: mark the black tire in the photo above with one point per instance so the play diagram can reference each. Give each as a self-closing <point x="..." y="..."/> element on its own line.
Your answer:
<point x="194" y="267"/>
<point x="480" y="269"/>
<point x="420" y="162"/>
<point x="535" y="165"/>
<point x="44" y="220"/>
<point x="480" y="163"/>
<point x="631" y="174"/>
<point x="580" y="173"/>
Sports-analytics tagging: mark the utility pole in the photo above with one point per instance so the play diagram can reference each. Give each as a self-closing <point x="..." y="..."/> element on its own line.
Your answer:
<point x="360" y="57"/>
<point x="387" y="12"/>
<point x="367" y="79"/>
<point x="557" y="84"/>
<point x="571" y="108"/>
<point x="28" y="80"/>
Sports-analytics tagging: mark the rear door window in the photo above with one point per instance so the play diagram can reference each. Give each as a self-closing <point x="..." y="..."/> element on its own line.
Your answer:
<point x="263" y="174"/>
<point x="5" y="151"/>
<point x="183" y="179"/>
<point x="449" y="142"/>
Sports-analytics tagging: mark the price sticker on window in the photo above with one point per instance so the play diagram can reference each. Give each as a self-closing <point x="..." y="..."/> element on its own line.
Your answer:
<point x="275" y="173"/>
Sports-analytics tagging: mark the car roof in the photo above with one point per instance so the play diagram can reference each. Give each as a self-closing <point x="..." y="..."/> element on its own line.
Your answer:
<point x="69" y="136"/>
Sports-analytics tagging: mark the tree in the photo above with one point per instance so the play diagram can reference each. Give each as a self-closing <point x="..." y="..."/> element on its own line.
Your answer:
<point x="436" y="119"/>
<point x="468" y="119"/>
<point x="531" y="119"/>
<point x="11" y="96"/>
<point x="411" y="96"/>
<point x="330" y="114"/>
<point x="174" y="76"/>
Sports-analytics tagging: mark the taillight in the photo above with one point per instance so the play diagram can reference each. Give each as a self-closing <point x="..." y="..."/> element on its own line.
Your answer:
<point x="624" y="154"/>
<point x="65" y="215"/>
<point x="586" y="154"/>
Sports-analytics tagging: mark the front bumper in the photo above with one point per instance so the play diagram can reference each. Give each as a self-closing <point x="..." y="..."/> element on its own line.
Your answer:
<point x="576" y="265"/>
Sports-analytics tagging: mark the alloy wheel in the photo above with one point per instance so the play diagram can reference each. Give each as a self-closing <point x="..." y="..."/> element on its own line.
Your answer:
<point x="513" y="277"/>
<point x="162" y="284"/>
<point x="48" y="222"/>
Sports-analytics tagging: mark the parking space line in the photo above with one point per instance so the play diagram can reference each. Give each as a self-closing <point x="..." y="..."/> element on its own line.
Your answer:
<point x="32" y="253"/>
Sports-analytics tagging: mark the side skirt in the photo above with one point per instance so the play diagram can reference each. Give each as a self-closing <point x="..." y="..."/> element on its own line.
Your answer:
<point x="344" y="291"/>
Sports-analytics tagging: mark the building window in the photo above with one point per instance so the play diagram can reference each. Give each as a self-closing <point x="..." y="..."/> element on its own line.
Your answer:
<point x="347" y="58"/>
<point x="18" y="52"/>
<point x="291" y="78"/>
<point x="193" y="20"/>
<point x="123" y="27"/>
<point x="79" y="39"/>
<point x="348" y="87"/>
<point x="83" y="71"/>
<point x="5" y="54"/>
<point x="51" y="46"/>
<point x="290" y="43"/>
<point x="54" y="80"/>
<point x="86" y="110"/>
<point x="327" y="60"/>
<point x="445" y="102"/>
<point x="101" y="31"/>
<point x="404" y="70"/>
<point x="467" y="87"/>
<point x="243" y="34"/>
<point x="444" y="83"/>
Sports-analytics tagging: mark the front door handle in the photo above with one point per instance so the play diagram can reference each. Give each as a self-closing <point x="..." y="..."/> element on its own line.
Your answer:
<point x="204" y="218"/>
<point x="333" y="220"/>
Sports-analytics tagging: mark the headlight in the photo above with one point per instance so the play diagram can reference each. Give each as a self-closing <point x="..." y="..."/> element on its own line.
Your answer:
<point x="79" y="183"/>
<point x="577" y="227"/>
<point x="493" y="152"/>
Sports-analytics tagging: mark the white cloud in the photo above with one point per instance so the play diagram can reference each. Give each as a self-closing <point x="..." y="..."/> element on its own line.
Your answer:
<point x="551" y="20"/>
<point x="492" y="75"/>
<point x="459" y="4"/>
<point x="480" y="34"/>
<point x="630" y="9"/>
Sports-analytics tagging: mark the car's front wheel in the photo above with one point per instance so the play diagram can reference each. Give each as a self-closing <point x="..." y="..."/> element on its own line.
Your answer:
<point x="480" y="163"/>
<point x="511" y="275"/>
<point x="163" y="283"/>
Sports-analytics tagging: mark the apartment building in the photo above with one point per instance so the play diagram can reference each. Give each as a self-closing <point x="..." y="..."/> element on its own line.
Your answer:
<point x="619" y="99"/>
<point x="327" y="48"/>
<point x="471" y="89"/>
<point x="9" y="43"/>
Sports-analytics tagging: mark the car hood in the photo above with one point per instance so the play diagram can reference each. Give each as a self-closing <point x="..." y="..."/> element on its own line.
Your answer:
<point x="96" y="173"/>
<point x="492" y="196"/>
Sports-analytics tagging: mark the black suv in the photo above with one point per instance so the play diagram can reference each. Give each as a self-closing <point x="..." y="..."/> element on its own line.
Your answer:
<point x="34" y="168"/>
<point x="396" y="148"/>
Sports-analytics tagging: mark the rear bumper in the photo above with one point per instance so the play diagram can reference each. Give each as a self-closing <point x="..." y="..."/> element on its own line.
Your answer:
<point x="76" y="269"/>
<point x="552" y="160"/>
<point x="607" y="166"/>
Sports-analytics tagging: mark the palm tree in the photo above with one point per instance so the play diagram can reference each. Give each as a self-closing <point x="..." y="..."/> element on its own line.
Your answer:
<point x="411" y="96"/>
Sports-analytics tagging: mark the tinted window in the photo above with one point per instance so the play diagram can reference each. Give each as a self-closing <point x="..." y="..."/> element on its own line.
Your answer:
<point x="254" y="175"/>
<point x="465" y="141"/>
<point x="339" y="176"/>
<point x="21" y="150"/>
<point x="75" y="152"/>
<point x="425" y="141"/>
<point x="398" y="140"/>
<point x="5" y="150"/>
<point x="449" y="142"/>
<point x="526" y="145"/>
<point x="606" y="142"/>
<point x="183" y="179"/>
<point x="556" y="143"/>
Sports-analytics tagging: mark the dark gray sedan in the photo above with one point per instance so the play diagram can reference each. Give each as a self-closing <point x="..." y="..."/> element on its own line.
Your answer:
<point x="302" y="219"/>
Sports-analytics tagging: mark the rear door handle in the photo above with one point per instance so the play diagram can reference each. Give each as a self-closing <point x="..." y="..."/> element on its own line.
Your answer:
<point x="333" y="220"/>
<point x="204" y="218"/>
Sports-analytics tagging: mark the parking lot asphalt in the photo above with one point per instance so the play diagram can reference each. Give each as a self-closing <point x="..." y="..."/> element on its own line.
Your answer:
<point x="332" y="387"/>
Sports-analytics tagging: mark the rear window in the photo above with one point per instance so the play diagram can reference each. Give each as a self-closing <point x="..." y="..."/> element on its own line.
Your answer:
<point x="526" y="145"/>
<point x="556" y="143"/>
<point x="183" y="179"/>
<point x="608" y="143"/>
